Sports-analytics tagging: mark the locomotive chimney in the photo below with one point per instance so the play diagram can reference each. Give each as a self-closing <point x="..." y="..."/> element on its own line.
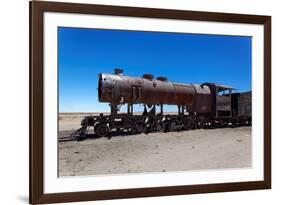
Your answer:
<point x="118" y="71"/>
<point x="148" y="76"/>
<point x="161" y="78"/>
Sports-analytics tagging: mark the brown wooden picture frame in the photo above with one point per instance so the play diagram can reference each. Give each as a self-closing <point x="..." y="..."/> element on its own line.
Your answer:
<point x="37" y="9"/>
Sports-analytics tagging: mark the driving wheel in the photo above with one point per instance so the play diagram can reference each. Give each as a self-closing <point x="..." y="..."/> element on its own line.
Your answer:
<point x="101" y="129"/>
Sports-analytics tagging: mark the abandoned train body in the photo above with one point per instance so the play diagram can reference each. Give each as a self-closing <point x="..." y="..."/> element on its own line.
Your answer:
<point x="208" y="105"/>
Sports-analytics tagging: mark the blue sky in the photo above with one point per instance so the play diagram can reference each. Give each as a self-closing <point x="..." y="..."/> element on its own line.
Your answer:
<point x="187" y="58"/>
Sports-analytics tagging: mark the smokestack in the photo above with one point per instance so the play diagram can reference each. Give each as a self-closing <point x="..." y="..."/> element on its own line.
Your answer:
<point x="161" y="78"/>
<point x="118" y="71"/>
<point x="148" y="76"/>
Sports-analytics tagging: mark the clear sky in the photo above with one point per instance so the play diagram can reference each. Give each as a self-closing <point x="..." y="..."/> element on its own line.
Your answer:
<point x="184" y="58"/>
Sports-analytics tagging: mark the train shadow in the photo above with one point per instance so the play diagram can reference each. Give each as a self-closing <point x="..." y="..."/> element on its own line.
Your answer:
<point x="109" y="136"/>
<point x="120" y="134"/>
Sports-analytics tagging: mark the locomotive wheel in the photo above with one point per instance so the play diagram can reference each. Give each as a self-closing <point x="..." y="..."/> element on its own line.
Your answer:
<point x="159" y="126"/>
<point x="140" y="127"/>
<point x="249" y="122"/>
<point x="243" y="123"/>
<point x="201" y="123"/>
<point x="221" y="124"/>
<point x="215" y="124"/>
<point x="156" y="126"/>
<point x="188" y="123"/>
<point x="172" y="126"/>
<point x="234" y="124"/>
<point x="101" y="129"/>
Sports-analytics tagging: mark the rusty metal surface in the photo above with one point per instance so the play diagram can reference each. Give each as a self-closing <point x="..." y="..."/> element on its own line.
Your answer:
<point x="199" y="106"/>
<point x="223" y="103"/>
<point x="118" y="89"/>
<point x="203" y="100"/>
<point x="245" y="104"/>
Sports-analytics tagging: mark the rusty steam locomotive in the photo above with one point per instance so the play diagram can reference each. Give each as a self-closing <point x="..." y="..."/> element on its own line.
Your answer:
<point x="208" y="105"/>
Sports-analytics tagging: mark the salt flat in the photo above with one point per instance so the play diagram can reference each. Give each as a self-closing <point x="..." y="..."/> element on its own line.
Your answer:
<point x="154" y="152"/>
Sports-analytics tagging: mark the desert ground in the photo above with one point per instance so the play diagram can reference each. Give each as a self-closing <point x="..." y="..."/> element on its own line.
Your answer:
<point x="154" y="152"/>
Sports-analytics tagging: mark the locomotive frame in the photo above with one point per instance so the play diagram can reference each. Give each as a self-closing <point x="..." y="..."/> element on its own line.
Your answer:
<point x="36" y="179"/>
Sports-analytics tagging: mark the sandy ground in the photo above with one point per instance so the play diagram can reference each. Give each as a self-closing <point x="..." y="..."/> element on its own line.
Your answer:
<point x="155" y="152"/>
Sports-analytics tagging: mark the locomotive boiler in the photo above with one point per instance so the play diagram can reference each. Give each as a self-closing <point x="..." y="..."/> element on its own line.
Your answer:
<point x="208" y="105"/>
<point x="119" y="89"/>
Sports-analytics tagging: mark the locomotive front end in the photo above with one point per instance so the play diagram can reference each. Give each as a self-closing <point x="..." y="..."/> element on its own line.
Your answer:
<point x="108" y="88"/>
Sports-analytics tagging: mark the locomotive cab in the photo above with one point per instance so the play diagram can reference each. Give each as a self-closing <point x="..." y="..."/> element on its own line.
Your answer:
<point x="223" y="101"/>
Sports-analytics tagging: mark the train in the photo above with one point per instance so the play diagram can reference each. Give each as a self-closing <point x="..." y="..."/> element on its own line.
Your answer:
<point x="208" y="105"/>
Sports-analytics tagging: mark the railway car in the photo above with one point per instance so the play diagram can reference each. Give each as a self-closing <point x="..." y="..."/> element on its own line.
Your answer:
<point x="208" y="105"/>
